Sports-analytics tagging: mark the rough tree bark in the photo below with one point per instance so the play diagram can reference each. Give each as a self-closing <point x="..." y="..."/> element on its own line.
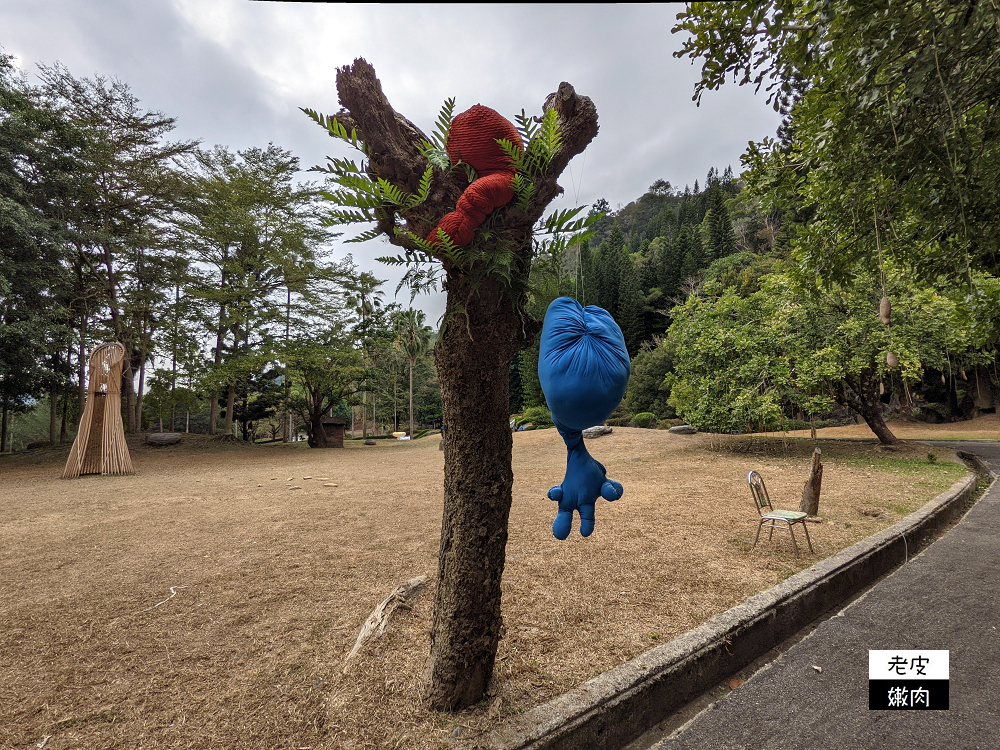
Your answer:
<point x="230" y="404"/>
<point x="861" y="394"/>
<point x="485" y="326"/>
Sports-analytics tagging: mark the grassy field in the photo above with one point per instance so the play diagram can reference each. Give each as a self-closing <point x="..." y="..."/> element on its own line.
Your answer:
<point x="210" y="600"/>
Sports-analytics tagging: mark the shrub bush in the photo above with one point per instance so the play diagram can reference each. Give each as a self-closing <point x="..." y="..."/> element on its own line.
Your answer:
<point x="620" y="417"/>
<point x="643" y="419"/>
<point x="537" y="415"/>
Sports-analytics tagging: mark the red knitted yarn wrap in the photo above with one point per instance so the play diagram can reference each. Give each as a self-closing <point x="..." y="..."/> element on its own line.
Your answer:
<point x="473" y="139"/>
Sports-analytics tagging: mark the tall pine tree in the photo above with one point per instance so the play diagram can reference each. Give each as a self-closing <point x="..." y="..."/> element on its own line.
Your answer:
<point x="692" y="257"/>
<point x="630" y="304"/>
<point x="610" y="263"/>
<point x="721" y="237"/>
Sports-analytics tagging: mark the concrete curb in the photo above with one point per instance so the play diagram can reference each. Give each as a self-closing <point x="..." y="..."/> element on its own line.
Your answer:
<point x="614" y="708"/>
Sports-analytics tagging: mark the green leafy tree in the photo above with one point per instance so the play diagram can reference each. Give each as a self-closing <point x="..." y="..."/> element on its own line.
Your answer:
<point x="647" y="387"/>
<point x="35" y="154"/>
<point x="731" y="372"/>
<point x="327" y="370"/>
<point x="891" y="138"/>
<point x="130" y="189"/>
<point x="255" y="245"/>
<point x="741" y="359"/>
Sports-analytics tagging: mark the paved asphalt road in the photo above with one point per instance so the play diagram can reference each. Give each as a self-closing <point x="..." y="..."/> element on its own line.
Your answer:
<point x="948" y="597"/>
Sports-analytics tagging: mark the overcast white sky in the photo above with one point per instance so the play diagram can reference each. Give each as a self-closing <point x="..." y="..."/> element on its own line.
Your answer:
<point x="235" y="73"/>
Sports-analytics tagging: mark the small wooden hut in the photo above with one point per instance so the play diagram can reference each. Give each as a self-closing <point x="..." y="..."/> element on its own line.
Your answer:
<point x="100" y="446"/>
<point x="334" y="429"/>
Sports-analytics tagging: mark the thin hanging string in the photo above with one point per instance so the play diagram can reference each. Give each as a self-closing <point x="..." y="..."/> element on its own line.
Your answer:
<point x="576" y="188"/>
<point x="878" y="244"/>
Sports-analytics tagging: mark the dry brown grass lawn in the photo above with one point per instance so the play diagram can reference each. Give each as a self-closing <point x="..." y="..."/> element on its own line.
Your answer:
<point x="209" y="600"/>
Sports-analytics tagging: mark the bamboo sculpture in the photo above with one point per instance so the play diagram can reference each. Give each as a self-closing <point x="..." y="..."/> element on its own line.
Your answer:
<point x="100" y="446"/>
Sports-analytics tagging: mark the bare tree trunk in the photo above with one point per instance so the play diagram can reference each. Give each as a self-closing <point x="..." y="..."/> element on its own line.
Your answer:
<point x="872" y="414"/>
<point x="139" y="395"/>
<point x="82" y="364"/>
<point x="65" y="409"/>
<point x="3" y="427"/>
<point x="861" y="394"/>
<point x="317" y="435"/>
<point x="230" y="404"/>
<point x="213" y="412"/>
<point x="53" y="412"/>
<point x="128" y="385"/>
<point x="810" y="492"/>
<point x="213" y="407"/>
<point x="477" y="491"/>
<point x="411" y="397"/>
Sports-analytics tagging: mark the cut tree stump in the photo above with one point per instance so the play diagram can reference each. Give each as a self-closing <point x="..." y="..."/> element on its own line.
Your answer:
<point x="163" y="438"/>
<point x="379" y="618"/>
<point x="810" y="492"/>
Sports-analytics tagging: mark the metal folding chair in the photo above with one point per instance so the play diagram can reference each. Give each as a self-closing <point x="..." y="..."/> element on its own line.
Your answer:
<point x="771" y="518"/>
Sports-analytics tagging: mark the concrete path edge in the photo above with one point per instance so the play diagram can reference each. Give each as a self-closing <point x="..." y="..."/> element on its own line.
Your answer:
<point x="614" y="708"/>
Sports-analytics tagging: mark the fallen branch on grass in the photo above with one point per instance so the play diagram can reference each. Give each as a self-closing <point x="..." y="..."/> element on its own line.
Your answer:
<point x="379" y="618"/>
<point x="173" y="593"/>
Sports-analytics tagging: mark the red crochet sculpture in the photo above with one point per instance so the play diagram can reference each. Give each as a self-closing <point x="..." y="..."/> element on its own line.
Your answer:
<point x="472" y="139"/>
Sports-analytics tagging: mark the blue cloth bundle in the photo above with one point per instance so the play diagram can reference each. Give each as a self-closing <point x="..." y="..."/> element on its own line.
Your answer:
<point x="583" y="367"/>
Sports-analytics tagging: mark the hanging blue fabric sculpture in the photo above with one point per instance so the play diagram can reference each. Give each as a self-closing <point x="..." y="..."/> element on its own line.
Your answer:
<point x="583" y="367"/>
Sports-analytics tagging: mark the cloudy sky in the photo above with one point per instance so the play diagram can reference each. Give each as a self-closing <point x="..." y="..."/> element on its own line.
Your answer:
<point x="234" y="73"/>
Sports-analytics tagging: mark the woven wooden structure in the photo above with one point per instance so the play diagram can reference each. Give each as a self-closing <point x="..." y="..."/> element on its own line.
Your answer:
<point x="100" y="446"/>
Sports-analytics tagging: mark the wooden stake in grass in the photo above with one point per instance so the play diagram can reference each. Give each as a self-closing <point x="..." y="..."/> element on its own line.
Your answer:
<point x="810" y="492"/>
<point x="379" y="618"/>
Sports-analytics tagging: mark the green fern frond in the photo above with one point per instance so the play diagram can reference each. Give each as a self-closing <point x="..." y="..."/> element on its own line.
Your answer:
<point x="443" y="125"/>
<point x="447" y="248"/>
<point x="526" y="126"/>
<point x="352" y="199"/>
<point x="469" y="171"/>
<point x="339" y="216"/>
<point x="333" y="126"/>
<point x="361" y="184"/>
<point x="423" y="189"/>
<point x="512" y="152"/>
<point x="392" y="194"/>
<point x="560" y="221"/>
<point x="550" y="135"/>
<point x="422" y="243"/>
<point x="370" y="234"/>
<point x="437" y="157"/>
<point x="524" y="191"/>
<point x="345" y="166"/>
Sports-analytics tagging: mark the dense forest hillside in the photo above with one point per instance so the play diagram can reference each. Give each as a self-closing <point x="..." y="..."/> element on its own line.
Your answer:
<point x="650" y="262"/>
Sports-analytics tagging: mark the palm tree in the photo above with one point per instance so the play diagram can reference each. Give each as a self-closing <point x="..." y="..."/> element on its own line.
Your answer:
<point x="414" y="337"/>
